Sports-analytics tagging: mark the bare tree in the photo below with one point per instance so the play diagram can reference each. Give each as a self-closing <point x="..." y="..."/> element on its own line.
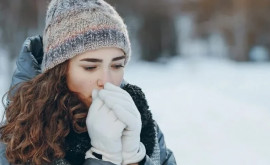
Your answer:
<point x="243" y="23"/>
<point x="157" y="34"/>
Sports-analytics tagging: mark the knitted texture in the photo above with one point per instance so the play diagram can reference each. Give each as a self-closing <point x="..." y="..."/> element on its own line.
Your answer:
<point x="76" y="26"/>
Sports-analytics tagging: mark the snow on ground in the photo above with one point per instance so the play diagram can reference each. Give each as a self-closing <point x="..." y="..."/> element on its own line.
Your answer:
<point x="210" y="111"/>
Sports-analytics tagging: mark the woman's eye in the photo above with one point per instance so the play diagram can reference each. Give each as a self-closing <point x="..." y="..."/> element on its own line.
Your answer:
<point x="90" y="68"/>
<point x="118" y="66"/>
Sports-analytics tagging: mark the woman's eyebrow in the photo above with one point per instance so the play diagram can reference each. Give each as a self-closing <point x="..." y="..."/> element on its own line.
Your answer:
<point x="100" y="60"/>
<point x="91" y="60"/>
<point x="119" y="58"/>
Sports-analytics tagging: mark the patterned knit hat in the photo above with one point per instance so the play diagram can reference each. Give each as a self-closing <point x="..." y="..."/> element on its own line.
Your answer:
<point x="76" y="26"/>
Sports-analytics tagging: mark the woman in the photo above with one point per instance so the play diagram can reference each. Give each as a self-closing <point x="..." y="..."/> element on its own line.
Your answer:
<point x="79" y="110"/>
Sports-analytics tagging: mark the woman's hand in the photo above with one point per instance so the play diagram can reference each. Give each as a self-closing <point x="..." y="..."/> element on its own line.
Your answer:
<point x="122" y="105"/>
<point x="105" y="131"/>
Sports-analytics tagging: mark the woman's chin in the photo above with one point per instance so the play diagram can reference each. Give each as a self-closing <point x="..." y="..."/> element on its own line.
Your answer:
<point x="88" y="102"/>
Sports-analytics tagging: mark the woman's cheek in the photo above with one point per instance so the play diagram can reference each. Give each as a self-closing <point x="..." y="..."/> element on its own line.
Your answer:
<point x="85" y="91"/>
<point x="118" y="78"/>
<point x="80" y="84"/>
<point x="86" y="87"/>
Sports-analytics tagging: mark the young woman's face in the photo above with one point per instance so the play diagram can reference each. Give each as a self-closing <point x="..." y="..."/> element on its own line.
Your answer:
<point x="92" y="69"/>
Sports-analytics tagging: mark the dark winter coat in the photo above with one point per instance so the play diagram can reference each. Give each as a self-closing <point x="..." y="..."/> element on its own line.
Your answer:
<point x="77" y="144"/>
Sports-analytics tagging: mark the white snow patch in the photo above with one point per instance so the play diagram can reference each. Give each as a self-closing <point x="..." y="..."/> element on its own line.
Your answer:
<point x="211" y="112"/>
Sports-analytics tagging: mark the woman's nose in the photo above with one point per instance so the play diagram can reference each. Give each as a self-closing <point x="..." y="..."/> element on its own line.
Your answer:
<point x="104" y="78"/>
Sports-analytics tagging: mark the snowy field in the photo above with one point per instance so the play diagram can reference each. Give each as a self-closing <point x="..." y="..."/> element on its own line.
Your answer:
<point x="212" y="112"/>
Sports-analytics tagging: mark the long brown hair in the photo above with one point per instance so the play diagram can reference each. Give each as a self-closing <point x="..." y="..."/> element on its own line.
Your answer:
<point x="40" y="116"/>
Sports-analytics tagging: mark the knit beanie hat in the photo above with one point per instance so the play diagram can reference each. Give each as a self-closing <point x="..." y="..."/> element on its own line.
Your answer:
<point x="76" y="26"/>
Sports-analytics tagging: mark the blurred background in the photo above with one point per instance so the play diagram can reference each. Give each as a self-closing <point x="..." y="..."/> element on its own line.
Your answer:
<point x="203" y="64"/>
